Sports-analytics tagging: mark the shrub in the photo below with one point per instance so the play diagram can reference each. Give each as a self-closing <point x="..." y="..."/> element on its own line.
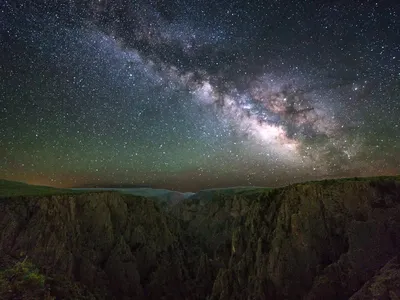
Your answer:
<point x="23" y="281"/>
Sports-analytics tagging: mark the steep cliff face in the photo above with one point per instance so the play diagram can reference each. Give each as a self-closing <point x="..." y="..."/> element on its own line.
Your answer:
<point x="321" y="240"/>
<point x="325" y="240"/>
<point x="312" y="241"/>
<point x="109" y="244"/>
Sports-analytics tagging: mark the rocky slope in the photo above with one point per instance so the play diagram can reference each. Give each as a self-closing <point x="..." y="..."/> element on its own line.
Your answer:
<point x="322" y="240"/>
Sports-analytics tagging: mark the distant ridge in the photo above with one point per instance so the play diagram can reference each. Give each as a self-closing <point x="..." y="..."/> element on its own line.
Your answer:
<point x="15" y="188"/>
<point x="112" y="186"/>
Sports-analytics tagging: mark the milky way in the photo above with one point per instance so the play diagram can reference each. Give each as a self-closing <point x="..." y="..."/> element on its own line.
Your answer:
<point x="190" y="95"/>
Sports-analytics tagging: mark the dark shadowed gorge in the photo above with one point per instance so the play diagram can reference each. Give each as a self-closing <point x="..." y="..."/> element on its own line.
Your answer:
<point x="336" y="239"/>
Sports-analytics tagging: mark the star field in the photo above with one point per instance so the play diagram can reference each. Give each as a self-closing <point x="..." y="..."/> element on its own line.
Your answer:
<point x="189" y="95"/>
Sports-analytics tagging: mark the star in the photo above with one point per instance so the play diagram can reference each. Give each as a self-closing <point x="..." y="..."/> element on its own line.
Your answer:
<point x="187" y="96"/>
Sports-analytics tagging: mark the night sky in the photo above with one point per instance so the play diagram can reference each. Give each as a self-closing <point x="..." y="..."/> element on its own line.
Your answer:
<point x="197" y="94"/>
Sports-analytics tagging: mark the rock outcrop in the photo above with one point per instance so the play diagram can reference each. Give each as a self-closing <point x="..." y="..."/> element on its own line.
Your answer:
<point x="322" y="240"/>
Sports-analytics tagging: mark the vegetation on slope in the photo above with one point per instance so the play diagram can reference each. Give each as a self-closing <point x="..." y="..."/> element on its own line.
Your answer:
<point x="23" y="281"/>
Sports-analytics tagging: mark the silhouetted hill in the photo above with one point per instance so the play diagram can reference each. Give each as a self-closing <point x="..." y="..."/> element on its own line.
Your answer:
<point x="14" y="188"/>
